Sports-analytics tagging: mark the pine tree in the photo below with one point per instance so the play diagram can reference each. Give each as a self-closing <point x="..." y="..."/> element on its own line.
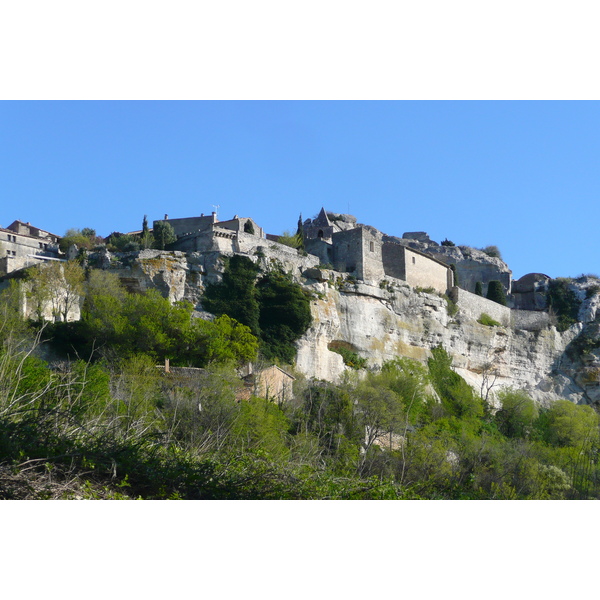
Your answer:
<point x="479" y="288"/>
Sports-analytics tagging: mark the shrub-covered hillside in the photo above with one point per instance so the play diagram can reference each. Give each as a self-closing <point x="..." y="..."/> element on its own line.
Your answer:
<point x="85" y="412"/>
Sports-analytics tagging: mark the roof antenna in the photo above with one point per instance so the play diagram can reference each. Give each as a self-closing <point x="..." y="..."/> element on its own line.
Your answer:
<point x="216" y="207"/>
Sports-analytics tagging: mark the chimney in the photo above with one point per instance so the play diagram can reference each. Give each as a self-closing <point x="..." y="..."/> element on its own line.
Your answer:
<point x="166" y="217"/>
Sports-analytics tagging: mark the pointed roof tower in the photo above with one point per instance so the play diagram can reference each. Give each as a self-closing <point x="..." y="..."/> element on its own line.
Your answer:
<point x="322" y="219"/>
<point x="320" y="227"/>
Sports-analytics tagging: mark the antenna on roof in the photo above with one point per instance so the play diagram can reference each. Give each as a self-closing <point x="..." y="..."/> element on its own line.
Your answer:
<point x="216" y="207"/>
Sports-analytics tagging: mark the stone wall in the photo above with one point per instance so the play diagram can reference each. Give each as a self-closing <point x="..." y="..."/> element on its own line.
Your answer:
<point x="422" y="271"/>
<point x="322" y="249"/>
<point x="473" y="306"/>
<point x="372" y="258"/>
<point x="239" y="224"/>
<point x="472" y="265"/>
<point x="530" y="320"/>
<point x="189" y="224"/>
<point x="347" y="252"/>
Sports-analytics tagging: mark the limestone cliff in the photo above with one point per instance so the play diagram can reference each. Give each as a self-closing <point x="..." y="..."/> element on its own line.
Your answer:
<point x="392" y="319"/>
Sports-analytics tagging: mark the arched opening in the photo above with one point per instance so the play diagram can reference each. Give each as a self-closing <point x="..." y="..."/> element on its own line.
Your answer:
<point x="320" y="234"/>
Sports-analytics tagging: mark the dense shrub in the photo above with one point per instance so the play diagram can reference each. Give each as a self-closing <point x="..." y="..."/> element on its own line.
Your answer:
<point x="496" y="293"/>
<point x="492" y="251"/>
<point x="563" y="303"/>
<point x="274" y="307"/>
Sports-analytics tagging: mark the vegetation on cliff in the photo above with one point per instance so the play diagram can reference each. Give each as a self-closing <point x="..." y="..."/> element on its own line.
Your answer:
<point x="276" y="309"/>
<point x="121" y="428"/>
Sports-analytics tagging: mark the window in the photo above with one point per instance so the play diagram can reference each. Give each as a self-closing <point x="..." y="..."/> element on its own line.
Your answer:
<point x="414" y="260"/>
<point x="372" y="246"/>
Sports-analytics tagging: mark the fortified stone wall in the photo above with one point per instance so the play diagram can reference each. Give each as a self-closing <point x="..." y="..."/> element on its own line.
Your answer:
<point x="473" y="306"/>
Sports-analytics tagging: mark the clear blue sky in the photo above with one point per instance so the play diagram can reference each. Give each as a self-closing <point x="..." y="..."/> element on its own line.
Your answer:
<point x="521" y="175"/>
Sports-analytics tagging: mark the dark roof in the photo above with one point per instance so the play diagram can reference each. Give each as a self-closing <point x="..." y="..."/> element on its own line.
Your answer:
<point x="322" y="219"/>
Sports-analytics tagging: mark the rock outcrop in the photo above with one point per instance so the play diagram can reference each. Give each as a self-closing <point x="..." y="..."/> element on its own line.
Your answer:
<point x="393" y="319"/>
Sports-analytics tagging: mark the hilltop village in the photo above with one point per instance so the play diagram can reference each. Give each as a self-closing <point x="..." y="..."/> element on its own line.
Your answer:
<point x="207" y="358"/>
<point x="376" y="295"/>
<point x="336" y="240"/>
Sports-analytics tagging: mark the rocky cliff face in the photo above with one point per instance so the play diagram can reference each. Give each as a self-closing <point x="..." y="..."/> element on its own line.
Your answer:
<point x="384" y="322"/>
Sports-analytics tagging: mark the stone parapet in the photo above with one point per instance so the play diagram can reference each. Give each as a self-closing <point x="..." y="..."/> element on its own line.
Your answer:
<point x="473" y="306"/>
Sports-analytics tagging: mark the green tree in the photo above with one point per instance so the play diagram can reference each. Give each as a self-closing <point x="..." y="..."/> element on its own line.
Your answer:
<point x="496" y="293"/>
<point x="284" y="315"/>
<point x="290" y="239"/>
<point x="455" y="277"/>
<point x="260" y="424"/>
<point x="164" y="234"/>
<point x="517" y="414"/>
<point x="82" y="238"/>
<point x="146" y="239"/>
<point x="479" y="288"/>
<point x="455" y="393"/>
<point x="58" y="286"/>
<point x="14" y="329"/>
<point x="236" y="295"/>
<point x="569" y="424"/>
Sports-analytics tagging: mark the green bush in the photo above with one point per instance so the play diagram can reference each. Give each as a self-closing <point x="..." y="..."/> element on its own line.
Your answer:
<point x="455" y="393"/>
<point x="451" y="306"/>
<point x="563" y="303"/>
<point x="492" y="251"/>
<point x="479" y="288"/>
<point x="351" y="359"/>
<point x="485" y="319"/>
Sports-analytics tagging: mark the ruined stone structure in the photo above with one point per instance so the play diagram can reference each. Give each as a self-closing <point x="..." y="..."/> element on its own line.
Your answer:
<point x="208" y="234"/>
<point x="529" y="292"/>
<point x="23" y="245"/>
<point x="371" y="256"/>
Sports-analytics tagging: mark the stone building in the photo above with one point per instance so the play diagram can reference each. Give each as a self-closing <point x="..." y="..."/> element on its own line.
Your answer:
<point x="271" y="383"/>
<point x="23" y="245"/>
<point x="370" y="255"/>
<point x="207" y="233"/>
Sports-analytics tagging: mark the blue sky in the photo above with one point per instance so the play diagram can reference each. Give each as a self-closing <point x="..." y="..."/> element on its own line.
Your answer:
<point x="521" y="175"/>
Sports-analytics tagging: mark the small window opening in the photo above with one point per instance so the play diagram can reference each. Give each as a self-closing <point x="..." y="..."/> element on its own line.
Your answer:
<point x="372" y="246"/>
<point x="414" y="260"/>
<point x="320" y="234"/>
